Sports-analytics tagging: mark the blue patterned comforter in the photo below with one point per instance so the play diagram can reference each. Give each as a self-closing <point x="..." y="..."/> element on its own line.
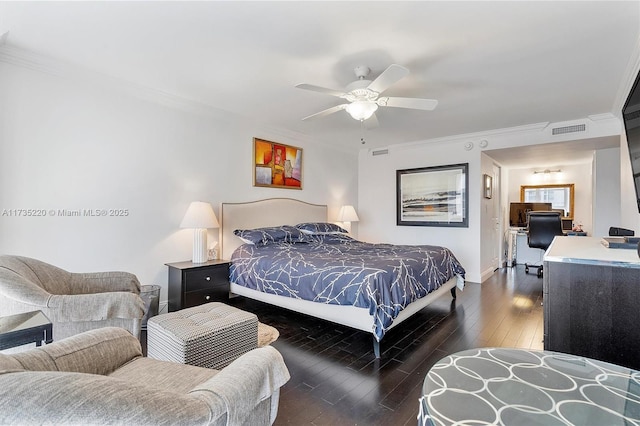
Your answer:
<point x="337" y="269"/>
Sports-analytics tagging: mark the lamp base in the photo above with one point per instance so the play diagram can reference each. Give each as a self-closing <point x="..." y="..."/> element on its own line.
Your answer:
<point x="347" y="226"/>
<point x="200" y="254"/>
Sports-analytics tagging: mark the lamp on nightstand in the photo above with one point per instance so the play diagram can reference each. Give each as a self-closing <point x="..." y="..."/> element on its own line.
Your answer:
<point x="346" y="216"/>
<point x="200" y="217"/>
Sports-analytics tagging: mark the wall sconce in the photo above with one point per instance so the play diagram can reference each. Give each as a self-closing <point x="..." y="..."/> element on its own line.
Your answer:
<point x="547" y="171"/>
<point x="346" y="216"/>
<point x="199" y="217"/>
<point x="488" y="186"/>
<point x="546" y="175"/>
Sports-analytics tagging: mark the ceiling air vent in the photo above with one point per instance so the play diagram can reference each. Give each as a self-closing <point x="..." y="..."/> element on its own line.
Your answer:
<point x="568" y="129"/>
<point x="380" y="152"/>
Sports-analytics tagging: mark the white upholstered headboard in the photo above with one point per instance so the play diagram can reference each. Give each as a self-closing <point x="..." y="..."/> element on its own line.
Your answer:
<point x="263" y="213"/>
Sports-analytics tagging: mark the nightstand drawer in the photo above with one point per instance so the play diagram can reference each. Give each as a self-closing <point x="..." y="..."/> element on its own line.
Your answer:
<point x="205" y="279"/>
<point x="195" y="298"/>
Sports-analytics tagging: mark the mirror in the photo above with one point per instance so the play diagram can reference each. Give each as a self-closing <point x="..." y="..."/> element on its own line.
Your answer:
<point x="559" y="195"/>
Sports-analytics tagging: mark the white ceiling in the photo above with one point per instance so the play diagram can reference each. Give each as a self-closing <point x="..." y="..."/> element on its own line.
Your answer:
<point x="491" y="65"/>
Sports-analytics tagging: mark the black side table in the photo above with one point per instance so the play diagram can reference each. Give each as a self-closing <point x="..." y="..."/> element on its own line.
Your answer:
<point x="192" y="284"/>
<point x="25" y="328"/>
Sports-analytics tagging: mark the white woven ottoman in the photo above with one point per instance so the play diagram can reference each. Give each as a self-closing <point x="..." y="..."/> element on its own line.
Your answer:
<point x="210" y="335"/>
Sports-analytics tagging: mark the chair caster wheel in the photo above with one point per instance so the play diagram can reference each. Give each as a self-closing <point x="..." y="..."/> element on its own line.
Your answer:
<point x="526" y="269"/>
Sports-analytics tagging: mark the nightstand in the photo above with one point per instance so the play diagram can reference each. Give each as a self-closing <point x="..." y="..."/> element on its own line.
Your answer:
<point x="192" y="284"/>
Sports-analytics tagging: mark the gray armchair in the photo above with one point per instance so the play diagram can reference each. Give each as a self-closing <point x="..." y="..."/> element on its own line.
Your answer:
<point x="101" y="377"/>
<point x="74" y="302"/>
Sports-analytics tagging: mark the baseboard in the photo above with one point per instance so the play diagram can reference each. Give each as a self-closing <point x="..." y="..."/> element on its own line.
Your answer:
<point x="486" y="274"/>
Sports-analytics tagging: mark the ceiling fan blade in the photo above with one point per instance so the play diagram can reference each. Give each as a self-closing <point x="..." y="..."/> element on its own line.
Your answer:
<point x="326" y="112"/>
<point x="371" y="122"/>
<point x="389" y="76"/>
<point x="320" y="89"/>
<point x="413" y="103"/>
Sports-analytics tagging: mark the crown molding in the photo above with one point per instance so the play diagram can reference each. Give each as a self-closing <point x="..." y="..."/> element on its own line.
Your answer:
<point x="40" y="63"/>
<point x="601" y="117"/>
<point x="465" y="137"/>
<point x="633" y="67"/>
<point x="26" y="59"/>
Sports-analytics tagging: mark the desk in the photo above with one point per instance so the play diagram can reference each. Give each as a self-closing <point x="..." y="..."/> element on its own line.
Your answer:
<point x="22" y="329"/>
<point x="591" y="296"/>
<point x="519" y="252"/>
<point x="521" y="387"/>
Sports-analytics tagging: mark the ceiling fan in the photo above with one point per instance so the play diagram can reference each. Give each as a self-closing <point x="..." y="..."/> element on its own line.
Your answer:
<point x="364" y="95"/>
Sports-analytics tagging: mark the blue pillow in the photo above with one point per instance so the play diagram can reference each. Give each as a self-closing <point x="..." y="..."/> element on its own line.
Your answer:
<point x="320" y="228"/>
<point x="276" y="234"/>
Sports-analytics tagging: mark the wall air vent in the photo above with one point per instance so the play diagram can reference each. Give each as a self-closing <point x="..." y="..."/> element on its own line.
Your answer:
<point x="568" y="129"/>
<point x="380" y="152"/>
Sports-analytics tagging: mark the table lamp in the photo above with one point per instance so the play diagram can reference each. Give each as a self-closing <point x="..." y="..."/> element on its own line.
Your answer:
<point x="199" y="217"/>
<point x="347" y="215"/>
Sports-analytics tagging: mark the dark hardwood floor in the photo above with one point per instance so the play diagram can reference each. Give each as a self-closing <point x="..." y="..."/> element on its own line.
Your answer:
<point x="336" y="380"/>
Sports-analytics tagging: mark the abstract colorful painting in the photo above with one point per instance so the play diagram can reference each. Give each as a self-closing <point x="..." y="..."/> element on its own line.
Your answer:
<point x="276" y="165"/>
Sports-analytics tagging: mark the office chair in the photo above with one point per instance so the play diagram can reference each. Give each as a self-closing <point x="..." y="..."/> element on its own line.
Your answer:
<point x="542" y="227"/>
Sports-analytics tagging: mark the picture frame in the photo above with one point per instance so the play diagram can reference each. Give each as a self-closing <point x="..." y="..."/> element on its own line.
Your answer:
<point x="487" y="182"/>
<point x="433" y="196"/>
<point x="276" y="165"/>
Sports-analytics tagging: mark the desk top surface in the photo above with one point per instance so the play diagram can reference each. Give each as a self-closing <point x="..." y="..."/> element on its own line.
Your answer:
<point x="516" y="387"/>
<point x="590" y="250"/>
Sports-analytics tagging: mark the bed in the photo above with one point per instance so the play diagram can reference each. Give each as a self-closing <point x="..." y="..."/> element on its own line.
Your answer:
<point x="276" y="212"/>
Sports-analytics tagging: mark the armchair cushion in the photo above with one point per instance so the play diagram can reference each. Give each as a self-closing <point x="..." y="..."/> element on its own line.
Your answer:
<point x="79" y="399"/>
<point x="100" y="377"/>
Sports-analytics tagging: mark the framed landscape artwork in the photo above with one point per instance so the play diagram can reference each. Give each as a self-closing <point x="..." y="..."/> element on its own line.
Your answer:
<point x="433" y="196"/>
<point x="276" y="165"/>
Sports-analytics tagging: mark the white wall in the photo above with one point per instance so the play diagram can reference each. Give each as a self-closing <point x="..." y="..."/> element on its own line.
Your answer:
<point x="578" y="174"/>
<point x="606" y="191"/>
<point x="490" y="235"/>
<point x="377" y="184"/>
<point x="70" y="144"/>
<point x="377" y="200"/>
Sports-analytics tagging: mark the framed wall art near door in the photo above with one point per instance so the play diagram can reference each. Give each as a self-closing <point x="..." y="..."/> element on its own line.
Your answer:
<point x="276" y="165"/>
<point x="433" y="196"/>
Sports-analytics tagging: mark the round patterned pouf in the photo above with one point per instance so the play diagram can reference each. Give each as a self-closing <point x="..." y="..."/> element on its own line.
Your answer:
<point x="502" y="386"/>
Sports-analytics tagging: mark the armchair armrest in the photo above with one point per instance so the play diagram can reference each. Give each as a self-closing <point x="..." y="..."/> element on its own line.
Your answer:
<point x="245" y="383"/>
<point x="95" y="307"/>
<point x="100" y="351"/>
<point x="19" y="289"/>
<point x="100" y="282"/>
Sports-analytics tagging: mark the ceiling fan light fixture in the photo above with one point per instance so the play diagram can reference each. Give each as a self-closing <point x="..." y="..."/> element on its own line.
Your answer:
<point x="361" y="110"/>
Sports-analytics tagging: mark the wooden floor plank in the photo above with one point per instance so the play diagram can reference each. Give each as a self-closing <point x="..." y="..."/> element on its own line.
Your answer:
<point x="337" y="381"/>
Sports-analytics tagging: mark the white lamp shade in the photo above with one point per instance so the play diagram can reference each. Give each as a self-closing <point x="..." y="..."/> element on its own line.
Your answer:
<point x="348" y="214"/>
<point x="361" y="110"/>
<point x="199" y="215"/>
